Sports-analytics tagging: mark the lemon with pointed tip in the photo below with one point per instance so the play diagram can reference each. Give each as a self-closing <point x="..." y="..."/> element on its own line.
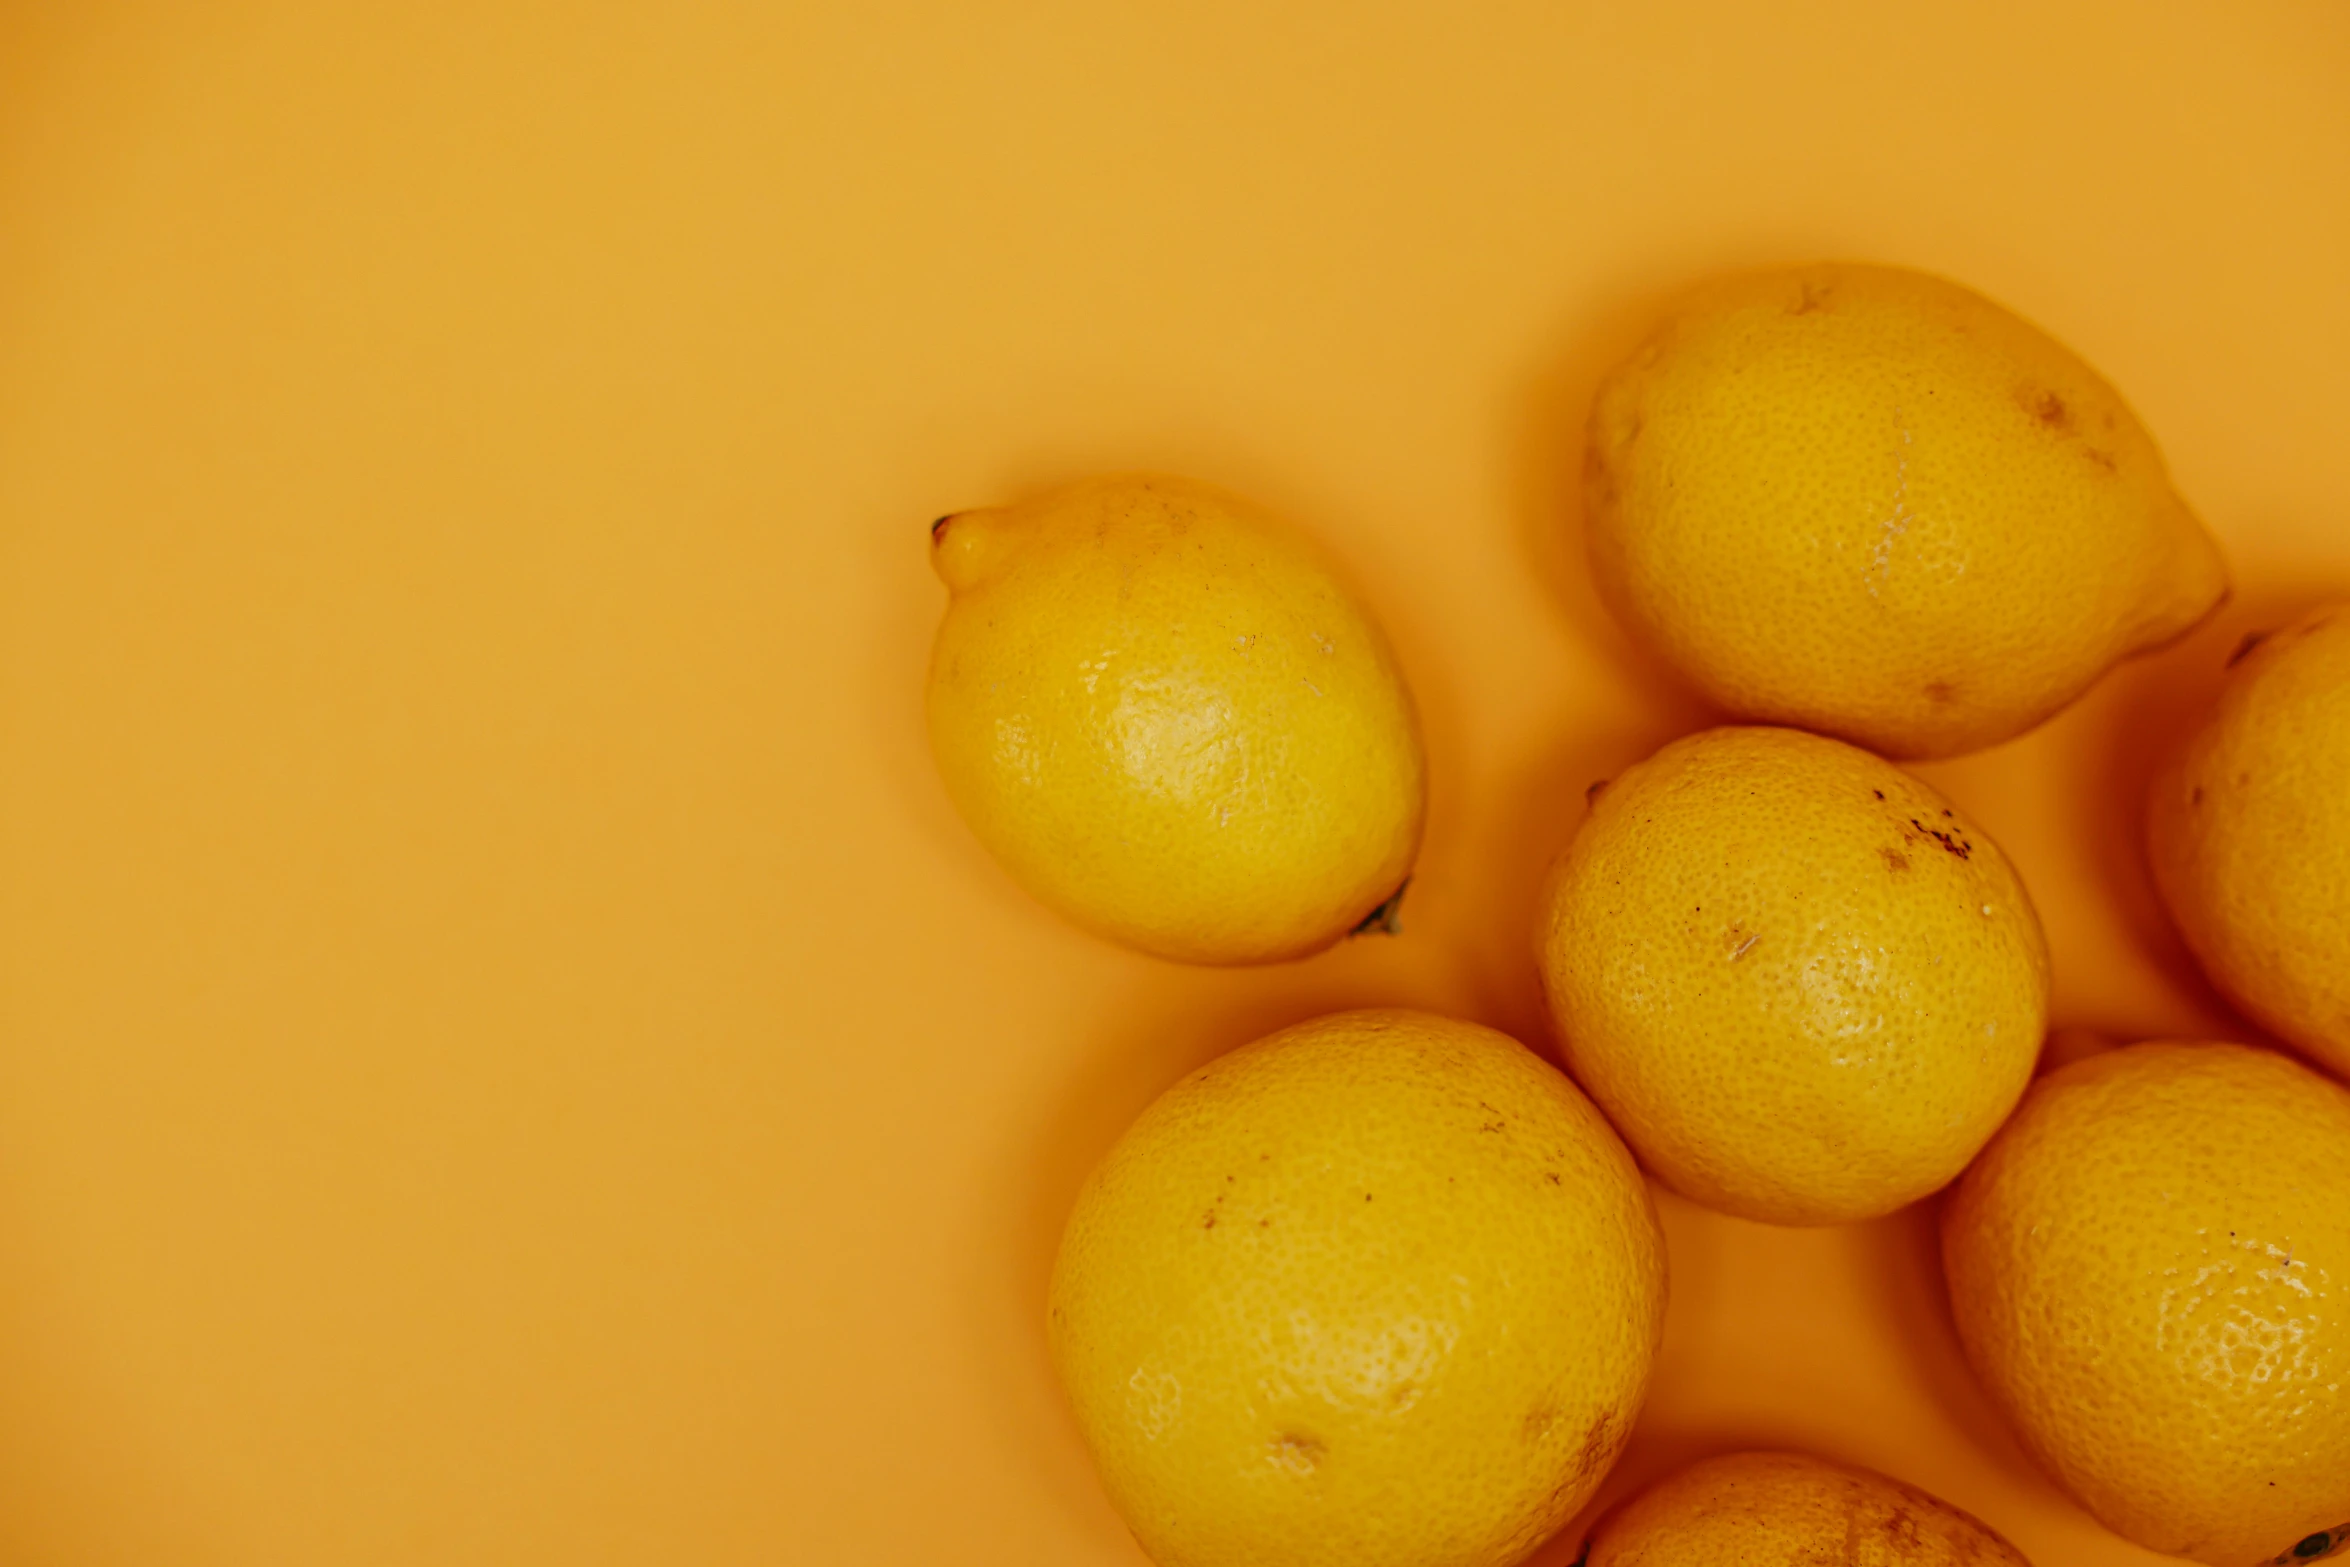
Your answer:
<point x="1162" y="712"/>
<point x="1791" y="1510"/>
<point x="1869" y="502"/>
<point x="1380" y="1290"/>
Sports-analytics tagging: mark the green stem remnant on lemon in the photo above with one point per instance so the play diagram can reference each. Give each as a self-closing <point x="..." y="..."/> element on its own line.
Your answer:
<point x="1162" y="713"/>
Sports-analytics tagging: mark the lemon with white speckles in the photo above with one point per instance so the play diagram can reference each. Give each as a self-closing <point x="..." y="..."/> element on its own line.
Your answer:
<point x="1165" y="716"/>
<point x="2150" y="1270"/>
<point x="1380" y="1290"/>
<point x="1872" y="503"/>
<point x="1803" y="985"/>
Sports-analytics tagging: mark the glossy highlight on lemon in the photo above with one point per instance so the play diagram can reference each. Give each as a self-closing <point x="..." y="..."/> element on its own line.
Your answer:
<point x="2248" y="832"/>
<point x="1379" y="1290"/>
<point x="1770" y="1509"/>
<point x="1869" y="502"/>
<point x="1160" y="710"/>
<point x="1804" y="986"/>
<point x="2149" y="1268"/>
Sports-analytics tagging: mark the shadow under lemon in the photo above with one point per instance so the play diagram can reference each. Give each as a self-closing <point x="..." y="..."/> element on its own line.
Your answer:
<point x="1545" y="460"/>
<point x="1168" y="1022"/>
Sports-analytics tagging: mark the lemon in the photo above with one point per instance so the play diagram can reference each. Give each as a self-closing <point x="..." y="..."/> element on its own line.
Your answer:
<point x="2250" y="838"/>
<point x="1791" y="1510"/>
<point x="1869" y="502"/>
<point x="2150" y="1269"/>
<point x="1162" y="713"/>
<point x="1803" y="986"/>
<point x="1380" y="1290"/>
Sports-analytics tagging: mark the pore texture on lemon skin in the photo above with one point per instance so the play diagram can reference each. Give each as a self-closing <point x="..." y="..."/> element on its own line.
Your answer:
<point x="1803" y="985"/>
<point x="2149" y="1269"/>
<point x="1164" y="714"/>
<point x="1380" y="1290"/>
<point x="1872" y="503"/>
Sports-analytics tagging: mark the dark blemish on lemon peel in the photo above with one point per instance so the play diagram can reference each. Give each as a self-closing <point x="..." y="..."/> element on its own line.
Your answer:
<point x="1951" y="842"/>
<point x="1387" y="919"/>
<point x="2048" y="408"/>
<point x="2103" y="460"/>
<point x="2319" y="1544"/>
<point x="1592" y="1455"/>
<point x="1941" y="691"/>
<point x="1554" y="1178"/>
<point x="2252" y="639"/>
<point x="1895" y="859"/>
<point x="1592" y="794"/>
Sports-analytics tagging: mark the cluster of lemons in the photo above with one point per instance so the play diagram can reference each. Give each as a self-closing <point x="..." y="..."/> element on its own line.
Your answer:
<point x="1385" y="1289"/>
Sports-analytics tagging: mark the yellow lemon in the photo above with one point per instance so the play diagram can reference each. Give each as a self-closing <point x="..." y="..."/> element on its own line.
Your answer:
<point x="1162" y="713"/>
<point x="1380" y="1290"/>
<point x="1803" y="986"/>
<point x="2150" y="1269"/>
<point x="1791" y="1510"/>
<point x="2249" y="835"/>
<point x="1869" y="502"/>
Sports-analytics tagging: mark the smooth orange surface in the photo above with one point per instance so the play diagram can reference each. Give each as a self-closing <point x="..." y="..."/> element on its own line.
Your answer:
<point x="509" y="1056"/>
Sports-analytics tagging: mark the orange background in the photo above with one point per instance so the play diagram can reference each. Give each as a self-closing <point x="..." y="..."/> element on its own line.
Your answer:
<point x="510" y="1057"/>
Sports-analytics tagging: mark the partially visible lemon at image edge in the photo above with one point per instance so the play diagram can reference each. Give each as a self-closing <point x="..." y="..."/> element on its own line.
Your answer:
<point x="2149" y="1269"/>
<point x="1776" y="1509"/>
<point x="2248" y="832"/>
<point x="1162" y="712"/>
<point x="1380" y="1290"/>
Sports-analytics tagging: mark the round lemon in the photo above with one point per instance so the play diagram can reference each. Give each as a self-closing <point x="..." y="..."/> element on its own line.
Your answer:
<point x="1869" y="502"/>
<point x="1162" y="713"/>
<point x="1791" y="1510"/>
<point x="2150" y="1270"/>
<point x="2249" y="835"/>
<point x="1380" y="1290"/>
<point x="1803" y="986"/>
